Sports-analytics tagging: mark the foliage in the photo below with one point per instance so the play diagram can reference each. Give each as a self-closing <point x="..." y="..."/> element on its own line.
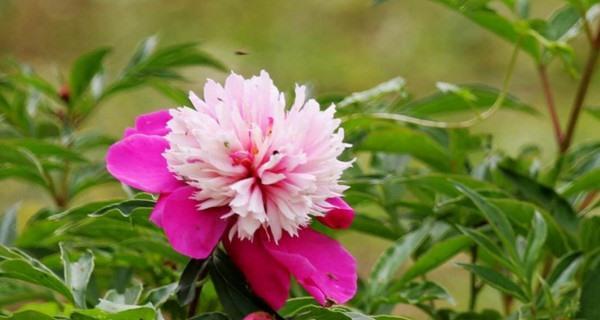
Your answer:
<point x="438" y="192"/>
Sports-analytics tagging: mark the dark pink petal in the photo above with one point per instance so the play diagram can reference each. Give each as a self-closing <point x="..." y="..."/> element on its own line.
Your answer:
<point x="159" y="208"/>
<point x="137" y="161"/>
<point x="192" y="232"/>
<point x="267" y="277"/>
<point x="153" y="123"/>
<point x="320" y="264"/>
<point x="259" y="315"/>
<point x="340" y="216"/>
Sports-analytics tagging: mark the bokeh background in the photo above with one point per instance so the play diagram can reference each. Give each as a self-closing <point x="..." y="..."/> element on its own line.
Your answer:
<point x="335" y="46"/>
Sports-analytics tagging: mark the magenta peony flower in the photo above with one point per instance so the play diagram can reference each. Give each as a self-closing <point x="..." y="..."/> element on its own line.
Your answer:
<point x="239" y="167"/>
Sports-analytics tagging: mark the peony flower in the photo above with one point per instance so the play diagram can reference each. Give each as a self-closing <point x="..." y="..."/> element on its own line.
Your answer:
<point x="242" y="168"/>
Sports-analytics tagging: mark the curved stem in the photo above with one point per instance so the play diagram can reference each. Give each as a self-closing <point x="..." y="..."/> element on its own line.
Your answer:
<point x="547" y="89"/>
<point x="459" y="124"/>
<point x="582" y="91"/>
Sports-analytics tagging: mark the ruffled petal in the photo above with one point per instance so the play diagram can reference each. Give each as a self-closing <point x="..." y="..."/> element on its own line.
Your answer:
<point x="268" y="278"/>
<point x="340" y="216"/>
<point x="320" y="264"/>
<point x="192" y="232"/>
<point x="153" y="123"/>
<point x="137" y="161"/>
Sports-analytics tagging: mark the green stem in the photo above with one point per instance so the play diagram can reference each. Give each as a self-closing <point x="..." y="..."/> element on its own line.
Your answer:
<point x="474" y="288"/>
<point x="582" y="91"/>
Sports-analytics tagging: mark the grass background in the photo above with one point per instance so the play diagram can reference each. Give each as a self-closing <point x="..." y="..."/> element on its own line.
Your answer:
<point x="335" y="46"/>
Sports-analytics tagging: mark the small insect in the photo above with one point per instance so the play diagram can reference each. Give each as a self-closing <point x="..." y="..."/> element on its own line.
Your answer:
<point x="241" y="52"/>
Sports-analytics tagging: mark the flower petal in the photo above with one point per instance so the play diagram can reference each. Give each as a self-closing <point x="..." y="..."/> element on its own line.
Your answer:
<point x="340" y="216"/>
<point x="153" y="123"/>
<point x="320" y="264"/>
<point x="267" y="277"/>
<point x="159" y="208"/>
<point x="192" y="232"/>
<point x="137" y="161"/>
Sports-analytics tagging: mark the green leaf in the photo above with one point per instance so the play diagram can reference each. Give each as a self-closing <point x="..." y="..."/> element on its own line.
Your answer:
<point x="15" y="264"/>
<point x="589" y="237"/>
<point x="435" y="256"/>
<point x="211" y="316"/>
<point x="589" y="181"/>
<point x="158" y="296"/>
<point x="195" y="270"/>
<point x="496" y="280"/>
<point x="407" y="141"/>
<point x="495" y="217"/>
<point x="232" y="289"/>
<point x="84" y="69"/>
<point x="392" y="258"/>
<point x="462" y="98"/>
<point x="373" y="226"/>
<point x="589" y="308"/>
<point x="563" y="23"/>
<point x="531" y="190"/>
<point x="416" y="293"/>
<point x="8" y="225"/>
<point x="77" y="274"/>
<point x="535" y="242"/>
<point x="294" y="304"/>
<point x="30" y="315"/>
<point x="492" y="249"/>
<point x="136" y="312"/>
<point x="125" y="208"/>
<point x="395" y="85"/>
<point x="42" y="149"/>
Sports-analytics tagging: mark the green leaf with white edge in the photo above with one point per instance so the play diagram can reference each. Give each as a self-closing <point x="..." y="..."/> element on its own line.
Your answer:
<point x="395" y="85"/>
<point x="589" y="181"/>
<point x="84" y="69"/>
<point x="406" y="141"/>
<point x="313" y="312"/>
<point x="438" y="254"/>
<point x="15" y="264"/>
<point x="8" y="225"/>
<point x="497" y="280"/>
<point x="144" y="49"/>
<point x="294" y="304"/>
<point x="462" y="98"/>
<point x="494" y="216"/>
<point x="535" y="243"/>
<point x="125" y="208"/>
<point x="416" y="293"/>
<point x="563" y="24"/>
<point x="158" y="296"/>
<point x="131" y="295"/>
<point x="392" y="259"/>
<point x="77" y="273"/>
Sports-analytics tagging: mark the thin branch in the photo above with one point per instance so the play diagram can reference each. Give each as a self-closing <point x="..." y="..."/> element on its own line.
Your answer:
<point x="582" y="91"/>
<point x="547" y="89"/>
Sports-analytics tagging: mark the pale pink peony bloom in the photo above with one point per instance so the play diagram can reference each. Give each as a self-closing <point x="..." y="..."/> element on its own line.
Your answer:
<point x="242" y="167"/>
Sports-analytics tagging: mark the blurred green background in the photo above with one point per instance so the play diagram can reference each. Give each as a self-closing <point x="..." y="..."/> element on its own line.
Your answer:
<point x="335" y="46"/>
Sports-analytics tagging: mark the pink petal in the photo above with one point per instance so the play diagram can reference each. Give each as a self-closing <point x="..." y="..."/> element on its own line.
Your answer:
<point x="153" y="123"/>
<point x="259" y="315"/>
<point x="320" y="264"/>
<point x="267" y="277"/>
<point x="340" y="216"/>
<point x="192" y="232"/>
<point x="137" y="161"/>
<point x="159" y="208"/>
